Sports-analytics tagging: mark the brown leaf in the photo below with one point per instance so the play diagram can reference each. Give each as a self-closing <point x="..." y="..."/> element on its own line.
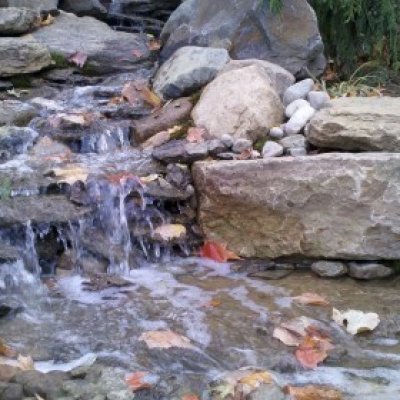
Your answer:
<point x="136" y="92"/>
<point x="137" y="381"/>
<point x="213" y="303"/>
<point x="154" y="44"/>
<point x="79" y="58"/>
<point x="217" y="252"/>
<point x="312" y="392"/>
<point x="196" y="135"/>
<point x="311" y="299"/>
<point x="165" y="340"/>
<point x="286" y="337"/>
<point x="47" y="21"/>
<point x="312" y="351"/>
<point x="190" y="397"/>
<point x="6" y="350"/>
<point x="69" y="175"/>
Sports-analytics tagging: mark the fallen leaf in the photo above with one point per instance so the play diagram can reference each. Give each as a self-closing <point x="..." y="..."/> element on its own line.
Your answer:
<point x="313" y="350"/>
<point x="137" y="381"/>
<point x="135" y="92"/>
<point x="47" y="21"/>
<point x="213" y="303"/>
<point x="255" y="379"/>
<point x="311" y="299"/>
<point x="312" y="392"/>
<point x="165" y="340"/>
<point x="25" y="363"/>
<point x="217" y="252"/>
<point x="190" y="397"/>
<point x="245" y="155"/>
<point x="169" y="232"/>
<point x="6" y="350"/>
<point x="69" y="175"/>
<point x="286" y="337"/>
<point x="196" y="135"/>
<point x="149" y="178"/>
<point x="356" y="321"/>
<point x="78" y="58"/>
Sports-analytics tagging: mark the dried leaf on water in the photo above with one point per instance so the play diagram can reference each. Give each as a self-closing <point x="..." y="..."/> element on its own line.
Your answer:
<point x="311" y="299"/>
<point x="25" y="363"/>
<point x="293" y="331"/>
<point x="70" y="174"/>
<point x="312" y="392"/>
<point x="356" y="321"/>
<point x="213" y="303"/>
<point x="165" y="340"/>
<point x="217" y="252"/>
<point x="79" y="58"/>
<point x="138" y="380"/>
<point x="136" y="92"/>
<point x="169" y="232"/>
<point x="286" y="337"/>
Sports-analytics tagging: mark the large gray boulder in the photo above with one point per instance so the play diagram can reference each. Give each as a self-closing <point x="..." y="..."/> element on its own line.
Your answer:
<point x="248" y="29"/>
<point x="16" y="21"/>
<point x="22" y="55"/>
<point x="241" y="102"/>
<point x="189" y="69"/>
<point x="357" y="123"/>
<point x="107" y="50"/>
<point x="332" y="206"/>
<point x="39" y="5"/>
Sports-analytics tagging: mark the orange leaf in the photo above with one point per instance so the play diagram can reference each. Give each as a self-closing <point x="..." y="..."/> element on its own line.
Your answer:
<point x="312" y="392"/>
<point x="137" y="381"/>
<point x="136" y="92"/>
<point x="213" y="303"/>
<point x="217" y="252"/>
<point x="190" y="397"/>
<point x="78" y="58"/>
<point x="311" y="299"/>
<point x="312" y="351"/>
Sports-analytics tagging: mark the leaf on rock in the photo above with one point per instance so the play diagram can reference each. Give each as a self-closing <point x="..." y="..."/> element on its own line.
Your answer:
<point x="313" y="350"/>
<point x="25" y="363"/>
<point x="217" y="252"/>
<point x="356" y="321"/>
<point x="287" y="337"/>
<point x="196" y="135"/>
<point x="169" y="232"/>
<point x="136" y="92"/>
<point x="312" y="392"/>
<point x="6" y="350"/>
<point x="79" y="58"/>
<point x="165" y="340"/>
<point x="139" y="381"/>
<point x="47" y="21"/>
<point x="69" y="175"/>
<point x="311" y="299"/>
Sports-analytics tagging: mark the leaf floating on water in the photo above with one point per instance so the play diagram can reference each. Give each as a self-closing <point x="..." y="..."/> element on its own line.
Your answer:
<point x="213" y="303"/>
<point x="169" y="232"/>
<point x="311" y="299"/>
<point x="139" y="380"/>
<point x="312" y="392"/>
<point x="136" y="92"/>
<point x="286" y="337"/>
<point x="292" y="332"/>
<point x="70" y="174"/>
<point x="78" y="58"/>
<point x="165" y="340"/>
<point x="255" y="379"/>
<point x="356" y="321"/>
<point x="25" y="363"/>
<point x="217" y="252"/>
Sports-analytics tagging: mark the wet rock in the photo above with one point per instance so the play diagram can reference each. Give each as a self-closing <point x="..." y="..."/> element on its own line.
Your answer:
<point x="337" y="206"/>
<point x="47" y="147"/>
<point x="6" y="85"/>
<point x="98" y="282"/>
<point x="180" y="151"/>
<point x="39" y="5"/>
<point x="11" y="391"/>
<point x="274" y="274"/>
<point x="294" y="106"/>
<point x="196" y="151"/>
<point x="35" y="383"/>
<point x="227" y="140"/>
<point x="227" y="156"/>
<point x="249" y="31"/>
<point x="7" y="372"/>
<point x="92" y="8"/>
<point x="16" y="21"/>
<point x="318" y="99"/>
<point x="23" y="55"/>
<point x="366" y="124"/>
<point x="163" y="190"/>
<point x="189" y="69"/>
<point x="367" y="271"/>
<point x="272" y="149"/>
<point x="297" y="91"/>
<point x="14" y="112"/>
<point x="178" y="175"/>
<point x="15" y="141"/>
<point x="299" y="120"/>
<point x="98" y="41"/>
<point x="276" y="133"/>
<point x="280" y="78"/>
<point x="241" y="145"/>
<point x="329" y="269"/>
<point x="167" y="117"/>
<point x="241" y="103"/>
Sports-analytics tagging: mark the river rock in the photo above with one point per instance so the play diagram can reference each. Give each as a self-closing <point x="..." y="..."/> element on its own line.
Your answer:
<point x="92" y="8"/>
<point x="14" y="112"/>
<point x="16" y="21"/>
<point x="168" y="116"/>
<point x="107" y="50"/>
<point x="39" y="5"/>
<point x="294" y="106"/>
<point x="299" y="120"/>
<point x="329" y="269"/>
<point x="272" y="149"/>
<point x="276" y="133"/>
<point x="240" y="102"/>
<point x="11" y="391"/>
<point x="249" y="30"/>
<point x="357" y="123"/>
<point x="14" y="140"/>
<point x="318" y="99"/>
<point x="367" y="271"/>
<point x="293" y="142"/>
<point x="22" y="55"/>
<point x="337" y="206"/>
<point x="180" y="151"/>
<point x="280" y="78"/>
<point x="240" y="145"/>
<point x="187" y="70"/>
<point x="297" y="91"/>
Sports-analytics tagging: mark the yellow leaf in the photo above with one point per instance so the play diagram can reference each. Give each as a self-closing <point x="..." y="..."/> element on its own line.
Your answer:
<point x="255" y="379"/>
<point x="70" y="174"/>
<point x="311" y="299"/>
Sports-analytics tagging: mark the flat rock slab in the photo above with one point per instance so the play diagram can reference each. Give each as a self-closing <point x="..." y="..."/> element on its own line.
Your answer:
<point x="357" y="123"/>
<point x="107" y="50"/>
<point x="333" y="206"/>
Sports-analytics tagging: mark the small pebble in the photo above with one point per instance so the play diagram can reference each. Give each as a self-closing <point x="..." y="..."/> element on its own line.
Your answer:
<point x="297" y="152"/>
<point x="318" y="100"/>
<point x="276" y="133"/>
<point x="227" y="140"/>
<point x="294" y="106"/>
<point x="299" y="90"/>
<point x="329" y="269"/>
<point x="272" y="149"/>
<point x="367" y="271"/>
<point x="299" y="120"/>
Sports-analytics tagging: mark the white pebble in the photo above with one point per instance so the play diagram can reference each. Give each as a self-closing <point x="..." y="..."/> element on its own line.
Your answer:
<point x="299" y="120"/>
<point x="294" y="106"/>
<point x="299" y="90"/>
<point x="318" y="100"/>
<point x="272" y="149"/>
<point x="276" y="133"/>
